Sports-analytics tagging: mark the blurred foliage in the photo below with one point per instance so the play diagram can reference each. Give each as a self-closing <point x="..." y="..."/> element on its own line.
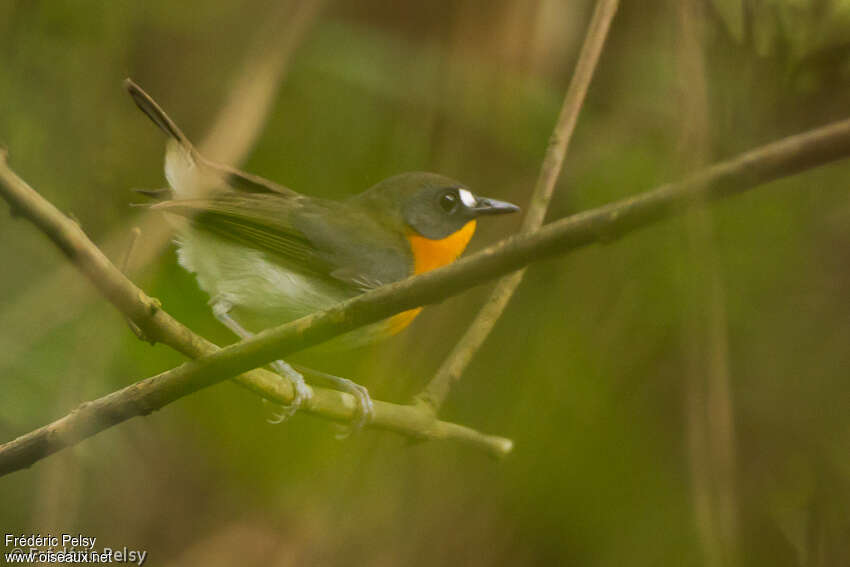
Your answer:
<point x="587" y="371"/>
<point x="794" y="28"/>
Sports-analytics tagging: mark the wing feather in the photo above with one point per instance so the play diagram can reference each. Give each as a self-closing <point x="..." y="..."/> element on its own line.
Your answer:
<point x="309" y="235"/>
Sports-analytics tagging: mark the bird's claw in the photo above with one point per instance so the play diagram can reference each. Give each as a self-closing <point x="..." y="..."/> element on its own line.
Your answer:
<point x="282" y="414"/>
<point x="365" y="407"/>
<point x="303" y="393"/>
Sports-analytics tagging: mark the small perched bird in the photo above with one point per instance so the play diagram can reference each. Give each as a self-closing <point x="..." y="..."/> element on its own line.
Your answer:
<point x="267" y="255"/>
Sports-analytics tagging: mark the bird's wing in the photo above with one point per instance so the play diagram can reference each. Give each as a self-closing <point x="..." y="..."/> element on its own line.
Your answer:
<point x="323" y="238"/>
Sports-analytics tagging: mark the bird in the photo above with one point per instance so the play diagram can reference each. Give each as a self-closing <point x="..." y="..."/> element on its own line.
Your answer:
<point x="266" y="254"/>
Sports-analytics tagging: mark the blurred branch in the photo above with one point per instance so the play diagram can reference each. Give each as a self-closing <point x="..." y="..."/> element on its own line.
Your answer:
<point x="604" y="224"/>
<point x="135" y="233"/>
<point x="708" y="404"/>
<point x="240" y="121"/>
<point x="455" y="364"/>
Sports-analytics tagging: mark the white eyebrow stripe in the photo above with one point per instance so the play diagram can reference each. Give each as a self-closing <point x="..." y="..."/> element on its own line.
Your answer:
<point x="467" y="198"/>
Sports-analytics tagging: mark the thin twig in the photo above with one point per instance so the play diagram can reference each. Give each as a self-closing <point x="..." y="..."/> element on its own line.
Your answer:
<point x="604" y="224"/>
<point x="455" y="364"/>
<point x="135" y="233"/>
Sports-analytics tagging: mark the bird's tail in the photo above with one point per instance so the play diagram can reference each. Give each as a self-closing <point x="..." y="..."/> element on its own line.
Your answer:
<point x="155" y="112"/>
<point x="182" y="160"/>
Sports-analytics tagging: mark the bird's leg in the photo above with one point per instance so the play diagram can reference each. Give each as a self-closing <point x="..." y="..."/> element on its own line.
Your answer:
<point x="221" y="310"/>
<point x="360" y="393"/>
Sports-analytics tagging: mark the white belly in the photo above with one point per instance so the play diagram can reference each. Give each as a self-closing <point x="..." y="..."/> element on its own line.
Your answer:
<point x="262" y="292"/>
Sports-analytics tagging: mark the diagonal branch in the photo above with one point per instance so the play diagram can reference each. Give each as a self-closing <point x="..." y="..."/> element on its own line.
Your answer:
<point x="250" y="99"/>
<point x="604" y="224"/>
<point x="455" y="364"/>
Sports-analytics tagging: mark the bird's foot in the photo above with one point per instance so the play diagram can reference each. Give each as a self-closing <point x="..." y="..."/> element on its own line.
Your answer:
<point x="303" y="393"/>
<point x="365" y="407"/>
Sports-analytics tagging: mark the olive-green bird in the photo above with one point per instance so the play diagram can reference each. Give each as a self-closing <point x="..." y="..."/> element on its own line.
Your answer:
<point x="267" y="255"/>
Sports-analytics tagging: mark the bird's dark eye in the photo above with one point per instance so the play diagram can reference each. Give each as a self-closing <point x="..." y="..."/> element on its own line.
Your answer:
<point x="448" y="202"/>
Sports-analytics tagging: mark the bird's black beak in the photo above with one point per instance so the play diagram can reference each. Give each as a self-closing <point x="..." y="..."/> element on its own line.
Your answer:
<point x="485" y="206"/>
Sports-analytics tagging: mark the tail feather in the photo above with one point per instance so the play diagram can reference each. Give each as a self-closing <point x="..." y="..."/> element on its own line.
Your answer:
<point x="189" y="174"/>
<point x="155" y="112"/>
<point x="163" y="194"/>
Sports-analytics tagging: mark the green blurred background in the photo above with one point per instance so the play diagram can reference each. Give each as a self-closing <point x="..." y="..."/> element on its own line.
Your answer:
<point x="679" y="397"/>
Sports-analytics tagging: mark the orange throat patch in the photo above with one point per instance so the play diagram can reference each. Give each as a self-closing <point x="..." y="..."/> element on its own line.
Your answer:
<point x="429" y="255"/>
<point x="432" y="254"/>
